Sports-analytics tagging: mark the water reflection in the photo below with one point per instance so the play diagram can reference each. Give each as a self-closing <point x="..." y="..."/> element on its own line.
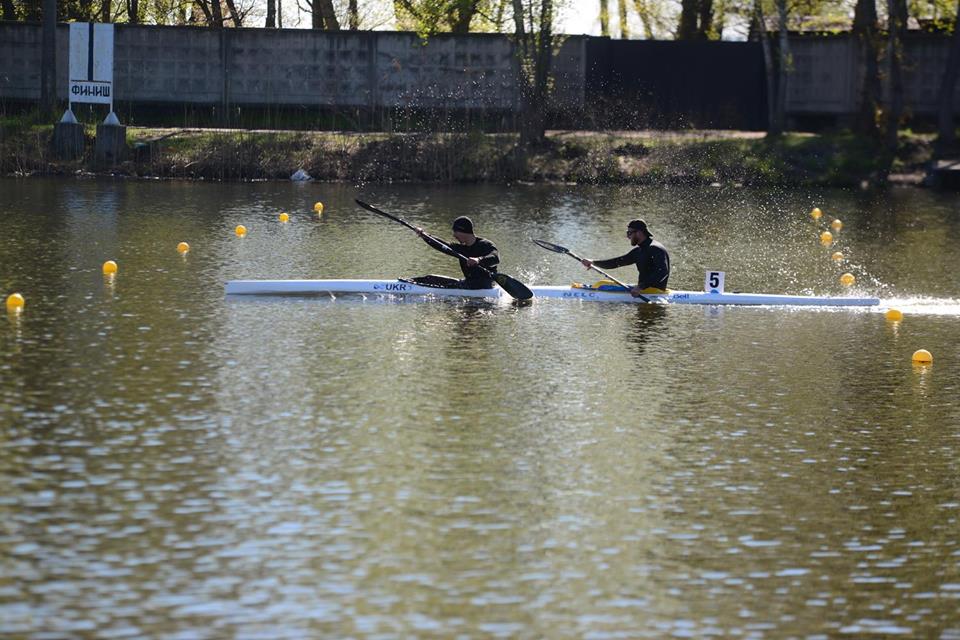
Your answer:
<point x="648" y="324"/>
<point x="178" y="464"/>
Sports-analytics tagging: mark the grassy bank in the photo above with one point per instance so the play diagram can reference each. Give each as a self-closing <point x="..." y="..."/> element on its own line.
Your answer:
<point x="585" y="157"/>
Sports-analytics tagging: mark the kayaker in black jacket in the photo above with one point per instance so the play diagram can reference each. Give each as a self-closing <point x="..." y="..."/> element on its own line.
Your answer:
<point x="651" y="258"/>
<point x="479" y="252"/>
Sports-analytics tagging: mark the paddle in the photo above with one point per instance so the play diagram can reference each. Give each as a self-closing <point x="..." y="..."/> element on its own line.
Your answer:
<point x="514" y="287"/>
<point x="549" y="246"/>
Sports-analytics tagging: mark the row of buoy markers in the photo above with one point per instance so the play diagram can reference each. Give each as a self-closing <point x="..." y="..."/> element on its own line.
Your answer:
<point x="15" y="302"/>
<point x="241" y="231"/>
<point x="920" y="356"/>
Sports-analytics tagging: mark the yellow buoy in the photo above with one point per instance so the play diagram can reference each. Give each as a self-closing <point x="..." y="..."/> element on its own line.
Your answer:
<point x="894" y="315"/>
<point x="816" y="213"/>
<point x="284" y="217"/>
<point x="922" y="356"/>
<point x="240" y="230"/>
<point x="183" y="247"/>
<point x="318" y="207"/>
<point x="109" y="268"/>
<point x="826" y="238"/>
<point x="847" y="279"/>
<point x="837" y="256"/>
<point x="836" y="225"/>
<point x="15" y="302"/>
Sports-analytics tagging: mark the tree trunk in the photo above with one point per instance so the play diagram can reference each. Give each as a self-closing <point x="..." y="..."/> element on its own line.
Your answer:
<point x="463" y="16"/>
<point x="784" y="68"/>
<point x="773" y="124"/>
<point x="536" y="55"/>
<point x="866" y="34"/>
<point x="897" y="23"/>
<point x="234" y="14"/>
<point x="353" y="14"/>
<point x="706" y="19"/>
<point x="216" y="14"/>
<point x="326" y="14"/>
<point x="605" y="18"/>
<point x="48" y="58"/>
<point x="624" y="28"/>
<point x="133" y="11"/>
<point x="946" y="129"/>
<point x="687" y="30"/>
<point x="106" y="12"/>
<point x="271" y="22"/>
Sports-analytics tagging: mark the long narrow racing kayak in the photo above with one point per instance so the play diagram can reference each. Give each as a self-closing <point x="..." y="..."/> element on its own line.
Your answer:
<point x="567" y="292"/>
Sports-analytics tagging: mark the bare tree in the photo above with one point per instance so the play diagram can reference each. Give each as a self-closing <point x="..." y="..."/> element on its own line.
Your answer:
<point x="48" y="57"/>
<point x="624" y="28"/>
<point x="9" y="11"/>
<point x="696" y="19"/>
<point x="896" y="25"/>
<point x="353" y="15"/>
<point x="774" y="120"/>
<point x="946" y="129"/>
<point x="867" y="36"/>
<point x="605" y="18"/>
<point x="271" y="21"/>
<point x="212" y="12"/>
<point x="322" y="15"/>
<point x="786" y="63"/>
<point x="533" y="31"/>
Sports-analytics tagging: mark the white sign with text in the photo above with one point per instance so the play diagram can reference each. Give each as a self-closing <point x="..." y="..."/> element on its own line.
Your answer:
<point x="91" y="63"/>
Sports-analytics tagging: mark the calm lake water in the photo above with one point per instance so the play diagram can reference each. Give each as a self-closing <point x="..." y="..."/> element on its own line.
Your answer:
<point x="176" y="464"/>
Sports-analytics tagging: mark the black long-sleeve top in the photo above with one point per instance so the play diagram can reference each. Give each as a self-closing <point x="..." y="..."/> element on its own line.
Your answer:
<point x="482" y="249"/>
<point x="652" y="260"/>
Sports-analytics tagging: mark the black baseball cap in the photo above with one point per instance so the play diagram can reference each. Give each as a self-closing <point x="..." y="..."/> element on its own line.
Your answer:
<point x="639" y="225"/>
<point x="463" y="224"/>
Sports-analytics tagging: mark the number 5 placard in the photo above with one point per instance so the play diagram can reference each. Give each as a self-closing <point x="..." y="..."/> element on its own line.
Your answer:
<point x="713" y="283"/>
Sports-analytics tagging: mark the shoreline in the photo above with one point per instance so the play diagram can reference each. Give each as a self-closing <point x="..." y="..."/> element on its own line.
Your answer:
<point x="705" y="157"/>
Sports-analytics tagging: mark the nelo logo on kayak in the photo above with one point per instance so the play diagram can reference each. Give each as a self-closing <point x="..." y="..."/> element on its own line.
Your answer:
<point x="578" y="294"/>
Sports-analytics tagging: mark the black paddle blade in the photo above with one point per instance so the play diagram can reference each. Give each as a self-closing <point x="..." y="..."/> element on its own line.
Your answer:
<point x="515" y="288"/>
<point x="549" y="246"/>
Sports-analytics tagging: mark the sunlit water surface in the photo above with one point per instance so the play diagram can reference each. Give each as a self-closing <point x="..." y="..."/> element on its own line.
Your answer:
<point x="177" y="464"/>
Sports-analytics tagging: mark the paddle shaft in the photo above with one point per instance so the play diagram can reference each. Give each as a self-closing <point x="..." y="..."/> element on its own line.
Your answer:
<point x="370" y="207"/>
<point x="512" y="286"/>
<point x="557" y="248"/>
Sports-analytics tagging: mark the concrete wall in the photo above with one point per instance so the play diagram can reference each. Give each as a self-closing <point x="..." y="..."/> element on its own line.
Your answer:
<point x="296" y="67"/>
<point x="372" y="70"/>
<point x="826" y="80"/>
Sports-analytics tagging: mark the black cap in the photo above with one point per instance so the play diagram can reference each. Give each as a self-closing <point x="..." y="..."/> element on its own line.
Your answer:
<point x="639" y="225"/>
<point x="463" y="224"/>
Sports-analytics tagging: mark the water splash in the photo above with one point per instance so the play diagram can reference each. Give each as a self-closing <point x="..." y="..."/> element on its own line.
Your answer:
<point x="923" y="305"/>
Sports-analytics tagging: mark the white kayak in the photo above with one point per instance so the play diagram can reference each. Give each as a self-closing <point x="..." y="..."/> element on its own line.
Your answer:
<point x="568" y="292"/>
